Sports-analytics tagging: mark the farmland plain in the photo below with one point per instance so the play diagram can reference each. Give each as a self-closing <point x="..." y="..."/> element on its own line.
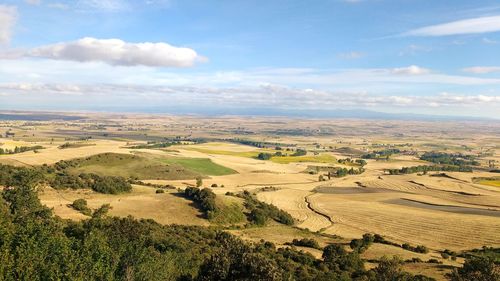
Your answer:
<point x="441" y="210"/>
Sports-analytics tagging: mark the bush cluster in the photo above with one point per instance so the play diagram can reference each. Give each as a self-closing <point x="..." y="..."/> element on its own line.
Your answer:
<point x="205" y="198"/>
<point x="261" y="212"/>
<point x="305" y="242"/>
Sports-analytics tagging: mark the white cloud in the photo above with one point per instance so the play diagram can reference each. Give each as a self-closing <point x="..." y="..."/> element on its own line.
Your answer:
<point x="413" y="50"/>
<point x="60" y="6"/>
<point x="467" y="26"/>
<point x="489" y="41"/>
<point x="8" y="17"/>
<point x="411" y="70"/>
<point x="482" y="69"/>
<point x="352" y="55"/>
<point x="118" y="52"/>
<point x="116" y="5"/>
<point x="108" y="5"/>
<point x="33" y="2"/>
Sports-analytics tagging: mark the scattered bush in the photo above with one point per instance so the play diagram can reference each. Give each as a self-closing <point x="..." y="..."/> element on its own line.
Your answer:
<point x="361" y="245"/>
<point x="477" y="269"/>
<point x="110" y="185"/>
<point x="81" y="206"/>
<point x="305" y="242"/>
<point x="264" y="156"/>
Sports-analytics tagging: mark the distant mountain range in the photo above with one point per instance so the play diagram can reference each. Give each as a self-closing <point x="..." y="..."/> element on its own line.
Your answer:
<point x="210" y="111"/>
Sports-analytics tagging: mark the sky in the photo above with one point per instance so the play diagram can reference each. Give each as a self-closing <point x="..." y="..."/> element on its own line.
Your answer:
<point x="193" y="56"/>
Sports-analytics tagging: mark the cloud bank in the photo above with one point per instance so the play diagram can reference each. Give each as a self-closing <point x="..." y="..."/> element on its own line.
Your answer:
<point x="264" y="95"/>
<point x="117" y="52"/>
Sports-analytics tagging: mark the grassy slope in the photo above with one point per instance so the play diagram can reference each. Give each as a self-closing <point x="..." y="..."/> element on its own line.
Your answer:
<point x="144" y="167"/>
<point x="202" y="166"/>
<point x="230" y="211"/>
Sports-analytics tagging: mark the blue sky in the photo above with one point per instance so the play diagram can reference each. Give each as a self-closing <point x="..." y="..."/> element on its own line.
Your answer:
<point x="407" y="56"/>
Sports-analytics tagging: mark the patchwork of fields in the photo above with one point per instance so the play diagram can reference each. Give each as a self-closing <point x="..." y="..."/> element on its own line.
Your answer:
<point x="440" y="210"/>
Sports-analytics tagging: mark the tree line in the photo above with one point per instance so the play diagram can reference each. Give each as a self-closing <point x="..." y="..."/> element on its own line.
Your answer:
<point x="429" y="168"/>
<point x="20" y="149"/>
<point x="454" y="159"/>
<point x="61" y="179"/>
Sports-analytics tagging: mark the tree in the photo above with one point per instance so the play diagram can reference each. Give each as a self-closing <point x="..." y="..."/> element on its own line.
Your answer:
<point x="477" y="269"/>
<point x="388" y="269"/>
<point x="258" y="217"/>
<point x="264" y="156"/>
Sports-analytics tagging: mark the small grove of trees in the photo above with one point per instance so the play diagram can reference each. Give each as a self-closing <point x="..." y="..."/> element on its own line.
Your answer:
<point x="418" y="249"/>
<point x="21" y="176"/>
<point x="102" y="184"/>
<point x="264" y="156"/>
<point x="205" y="198"/>
<point x="361" y="245"/>
<point x="360" y="162"/>
<point x="426" y="168"/>
<point x="111" y="185"/>
<point x="454" y="159"/>
<point x="261" y="212"/>
<point x="347" y="161"/>
<point x="342" y="172"/>
<point x="477" y="269"/>
<point x="305" y="242"/>
<point x="259" y="144"/>
<point x="381" y="153"/>
<point x="20" y="149"/>
<point x="299" y="152"/>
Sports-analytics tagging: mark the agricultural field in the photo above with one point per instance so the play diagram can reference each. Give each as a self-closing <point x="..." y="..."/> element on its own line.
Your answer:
<point x="357" y="178"/>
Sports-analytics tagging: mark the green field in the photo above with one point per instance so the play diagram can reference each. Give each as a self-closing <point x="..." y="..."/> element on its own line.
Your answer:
<point x="495" y="183"/>
<point x="247" y="154"/>
<point x="322" y="158"/>
<point x="147" y="166"/>
<point x="202" y="166"/>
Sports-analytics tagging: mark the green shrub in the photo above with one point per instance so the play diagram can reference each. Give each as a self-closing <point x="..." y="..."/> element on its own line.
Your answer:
<point x="81" y="206"/>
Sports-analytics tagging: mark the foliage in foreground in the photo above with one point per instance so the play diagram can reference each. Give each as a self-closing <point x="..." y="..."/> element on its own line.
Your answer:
<point x="36" y="245"/>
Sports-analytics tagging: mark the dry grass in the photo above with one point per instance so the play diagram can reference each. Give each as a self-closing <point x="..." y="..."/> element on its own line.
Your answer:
<point x="142" y="202"/>
<point x="361" y="213"/>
